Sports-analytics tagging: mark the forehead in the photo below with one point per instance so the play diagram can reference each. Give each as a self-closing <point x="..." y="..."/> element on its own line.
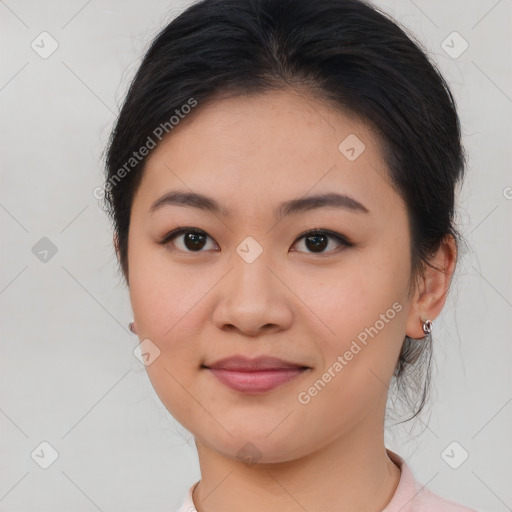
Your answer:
<point x="266" y="148"/>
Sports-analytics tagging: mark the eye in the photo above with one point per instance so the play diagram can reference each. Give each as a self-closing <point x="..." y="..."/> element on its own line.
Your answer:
<point x="318" y="239"/>
<point x="193" y="241"/>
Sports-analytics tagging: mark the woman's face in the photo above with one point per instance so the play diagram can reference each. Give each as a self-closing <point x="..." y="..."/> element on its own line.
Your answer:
<point x="253" y="286"/>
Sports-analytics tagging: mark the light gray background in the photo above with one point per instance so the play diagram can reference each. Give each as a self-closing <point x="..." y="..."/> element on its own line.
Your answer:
<point x="68" y="374"/>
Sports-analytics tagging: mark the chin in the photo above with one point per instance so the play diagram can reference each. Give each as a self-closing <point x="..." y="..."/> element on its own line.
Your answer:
<point x="253" y="447"/>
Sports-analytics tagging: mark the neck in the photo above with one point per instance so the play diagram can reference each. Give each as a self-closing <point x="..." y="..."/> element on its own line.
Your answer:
<point x="352" y="473"/>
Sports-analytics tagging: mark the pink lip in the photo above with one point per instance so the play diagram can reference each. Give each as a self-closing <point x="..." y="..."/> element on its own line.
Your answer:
<point x="257" y="375"/>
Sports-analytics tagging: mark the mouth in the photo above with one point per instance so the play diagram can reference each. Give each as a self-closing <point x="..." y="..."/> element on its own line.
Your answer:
<point x="255" y="376"/>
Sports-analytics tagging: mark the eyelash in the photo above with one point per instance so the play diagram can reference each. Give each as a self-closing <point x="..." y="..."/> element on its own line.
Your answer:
<point x="341" y="239"/>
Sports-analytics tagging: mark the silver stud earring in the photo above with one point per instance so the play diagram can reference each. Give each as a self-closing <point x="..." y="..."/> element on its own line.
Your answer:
<point x="131" y="326"/>
<point x="427" y="327"/>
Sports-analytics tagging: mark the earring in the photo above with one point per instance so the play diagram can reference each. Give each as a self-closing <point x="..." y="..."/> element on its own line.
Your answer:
<point x="131" y="326"/>
<point x="427" y="327"/>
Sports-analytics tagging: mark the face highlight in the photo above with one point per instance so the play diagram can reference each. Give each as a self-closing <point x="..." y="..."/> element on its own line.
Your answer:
<point x="254" y="232"/>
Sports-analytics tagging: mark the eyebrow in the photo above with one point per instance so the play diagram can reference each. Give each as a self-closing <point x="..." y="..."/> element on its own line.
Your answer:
<point x="298" y="205"/>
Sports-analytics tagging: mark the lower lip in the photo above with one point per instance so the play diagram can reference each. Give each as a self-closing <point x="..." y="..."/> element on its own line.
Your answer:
<point x="256" y="381"/>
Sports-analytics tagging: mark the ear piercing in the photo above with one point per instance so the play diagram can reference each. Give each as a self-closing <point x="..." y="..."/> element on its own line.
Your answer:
<point x="427" y="327"/>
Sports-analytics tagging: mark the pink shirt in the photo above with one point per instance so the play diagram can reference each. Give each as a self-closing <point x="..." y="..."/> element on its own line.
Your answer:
<point x="410" y="496"/>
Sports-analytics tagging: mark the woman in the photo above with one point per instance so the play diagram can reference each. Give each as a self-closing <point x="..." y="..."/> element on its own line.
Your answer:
<point x="281" y="180"/>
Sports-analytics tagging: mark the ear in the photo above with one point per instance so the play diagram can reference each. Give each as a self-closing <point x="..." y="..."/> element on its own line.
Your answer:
<point x="432" y="288"/>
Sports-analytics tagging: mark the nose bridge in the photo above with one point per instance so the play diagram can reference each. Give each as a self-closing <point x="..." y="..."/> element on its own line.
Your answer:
<point x="251" y="296"/>
<point x="251" y="272"/>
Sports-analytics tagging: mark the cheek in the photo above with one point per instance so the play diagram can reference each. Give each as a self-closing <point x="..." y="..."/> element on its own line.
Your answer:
<point x="170" y="304"/>
<point x="363" y="303"/>
<point x="162" y="295"/>
<point x="363" y="321"/>
<point x="353" y="296"/>
<point x="149" y="294"/>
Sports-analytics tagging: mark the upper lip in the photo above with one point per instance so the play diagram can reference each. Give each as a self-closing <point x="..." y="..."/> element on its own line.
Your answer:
<point x="243" y="363"/>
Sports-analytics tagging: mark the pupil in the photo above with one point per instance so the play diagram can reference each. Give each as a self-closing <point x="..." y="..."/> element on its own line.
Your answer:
<point x="320" y="242"/>
<point x="194" y="241"/>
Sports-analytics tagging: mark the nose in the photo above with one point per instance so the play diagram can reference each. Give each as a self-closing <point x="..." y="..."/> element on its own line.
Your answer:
<point x="253" y="299"/>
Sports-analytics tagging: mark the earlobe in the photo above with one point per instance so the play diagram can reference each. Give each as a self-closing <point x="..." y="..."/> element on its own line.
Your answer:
<point x="432" y="288"/>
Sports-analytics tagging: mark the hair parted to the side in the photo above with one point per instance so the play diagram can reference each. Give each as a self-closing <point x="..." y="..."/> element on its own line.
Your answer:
<point x="344" y="52"/>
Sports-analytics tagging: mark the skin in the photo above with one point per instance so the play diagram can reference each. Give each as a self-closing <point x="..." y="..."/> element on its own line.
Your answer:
<point x="250" y="153"/>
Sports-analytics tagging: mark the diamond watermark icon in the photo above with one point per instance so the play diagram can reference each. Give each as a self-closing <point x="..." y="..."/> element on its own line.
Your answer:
<point x="146" y="352"/>
<point x="44" y="45"/>
<point x="351" y="147"/>
<point x="454" y="45"/>
<point x="249" y="454"/>
<point x="454" y="455"/>
<point x="249" y="249"/>
<point x="44" y="455"/>
<point x="44" y="250"/>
